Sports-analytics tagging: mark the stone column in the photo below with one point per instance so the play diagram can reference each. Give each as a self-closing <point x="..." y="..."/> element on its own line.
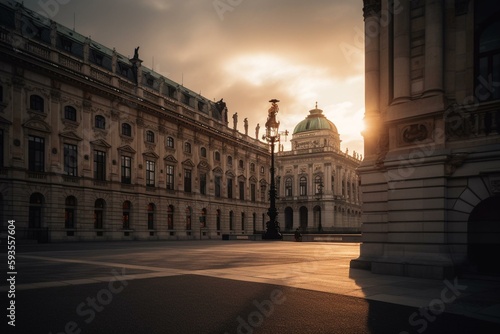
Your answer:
<point x="401" y="31"/>
<point x="433" y="75"/>
<point x="371" y="12"/>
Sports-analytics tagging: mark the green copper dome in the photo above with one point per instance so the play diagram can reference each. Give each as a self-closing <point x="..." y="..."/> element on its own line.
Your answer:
<point x="314" y="122"/>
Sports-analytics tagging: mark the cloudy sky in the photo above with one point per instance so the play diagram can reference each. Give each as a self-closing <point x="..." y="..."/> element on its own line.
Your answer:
<point x="245" y="51"/>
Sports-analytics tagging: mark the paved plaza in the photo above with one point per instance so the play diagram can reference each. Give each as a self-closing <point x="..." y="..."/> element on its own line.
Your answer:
<point x="234" y="287"/>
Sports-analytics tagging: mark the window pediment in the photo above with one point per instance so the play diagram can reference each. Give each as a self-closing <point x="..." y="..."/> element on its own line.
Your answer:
<point x="151" y="155"/>
<point x="5" y="121"/>
<point x="126" y="149"/>
<point x="70" y="135"/>
<point x="170" y="158"/>
<point x="204" y="165"/>
<point x="38" y="125"/>
<point x="100" y="142"/>
<point x="188" y="163"/>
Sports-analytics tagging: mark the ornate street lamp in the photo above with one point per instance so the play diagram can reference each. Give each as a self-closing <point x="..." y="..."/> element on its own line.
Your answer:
<point x="272" y="136"/>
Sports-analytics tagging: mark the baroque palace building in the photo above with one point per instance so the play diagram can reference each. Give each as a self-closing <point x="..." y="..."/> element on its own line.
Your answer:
<point x="431" y="174"/>
<point x="95" y="146"/>
<point x="318" y="185"/>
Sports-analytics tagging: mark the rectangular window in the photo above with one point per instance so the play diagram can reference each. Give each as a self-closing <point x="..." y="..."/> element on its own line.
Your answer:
<point x="203" y="183"/>
<point x="150" y="173"/>
<point x="99" y="165"/>
<point x="36" y="154"/>
<point x="70" y="113"/>
<point x="170" y="177"/>
<point x="252" y="192"/>
<point x="241" y="186"/>
<point x="229" y="188"/>
<point x="70" y="160"/>
<point x="218" y="181"/>
<point x="187" y="180"/>
<point x="126" y="170"/>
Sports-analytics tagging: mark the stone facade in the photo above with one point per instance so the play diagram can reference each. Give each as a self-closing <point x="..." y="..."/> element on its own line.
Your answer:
<point x="318" y="186"/>
<point x="95" y="146"/>
<point x="432" y="143"/>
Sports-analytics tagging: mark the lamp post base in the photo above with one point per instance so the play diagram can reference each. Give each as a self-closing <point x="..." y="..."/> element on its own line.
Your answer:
<point x="272" y="232"/>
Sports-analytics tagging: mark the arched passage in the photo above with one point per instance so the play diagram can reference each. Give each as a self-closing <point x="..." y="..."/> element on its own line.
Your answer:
<point x="303" y="217"/>
<point x="483" y="236"/>
<point x="288" y="218"/>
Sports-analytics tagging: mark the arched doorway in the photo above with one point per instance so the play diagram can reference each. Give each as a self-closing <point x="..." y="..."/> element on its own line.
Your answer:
<point x="483" y="237"/>
<point x="35" y="211"/>
<point x="288" y="218"/>
<point x="303" y="217"/>
<point x="317" y="218"/>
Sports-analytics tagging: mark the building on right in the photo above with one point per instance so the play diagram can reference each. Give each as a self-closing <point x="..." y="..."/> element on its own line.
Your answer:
<point x="430" y="179"/>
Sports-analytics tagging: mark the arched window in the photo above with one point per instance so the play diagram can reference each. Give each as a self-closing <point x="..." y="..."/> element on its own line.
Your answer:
<point x="252" y="167"/>
<point x="99" y="207"/>
<point x="151" y="216"/>
<point x="126" y="215"/>
<point x="126" y="130"/>
<point x="70" y="113"/>
<point x="170" y="217"/>
<point x="187" y="147"/>
<point x="150" y="136"/>
<point x="189" y="212"/>
<point x="217" y="156"/>
<point x="289" y="187"/>
<point x="35" y="210"/>
<point x="229" y="160"/>
<point x="100" y="122"/>
<point x="36" y="103"/>
<point x="218" y="220"/>
<point x="170" y="142"/>
<point x="303" y="186"/>
<point x="318" y="185"/>
<point x="70" y="212"/>
<point x="241" y="164"/>
<point x="203" y="152"/>
<point x="203" y="218"/>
